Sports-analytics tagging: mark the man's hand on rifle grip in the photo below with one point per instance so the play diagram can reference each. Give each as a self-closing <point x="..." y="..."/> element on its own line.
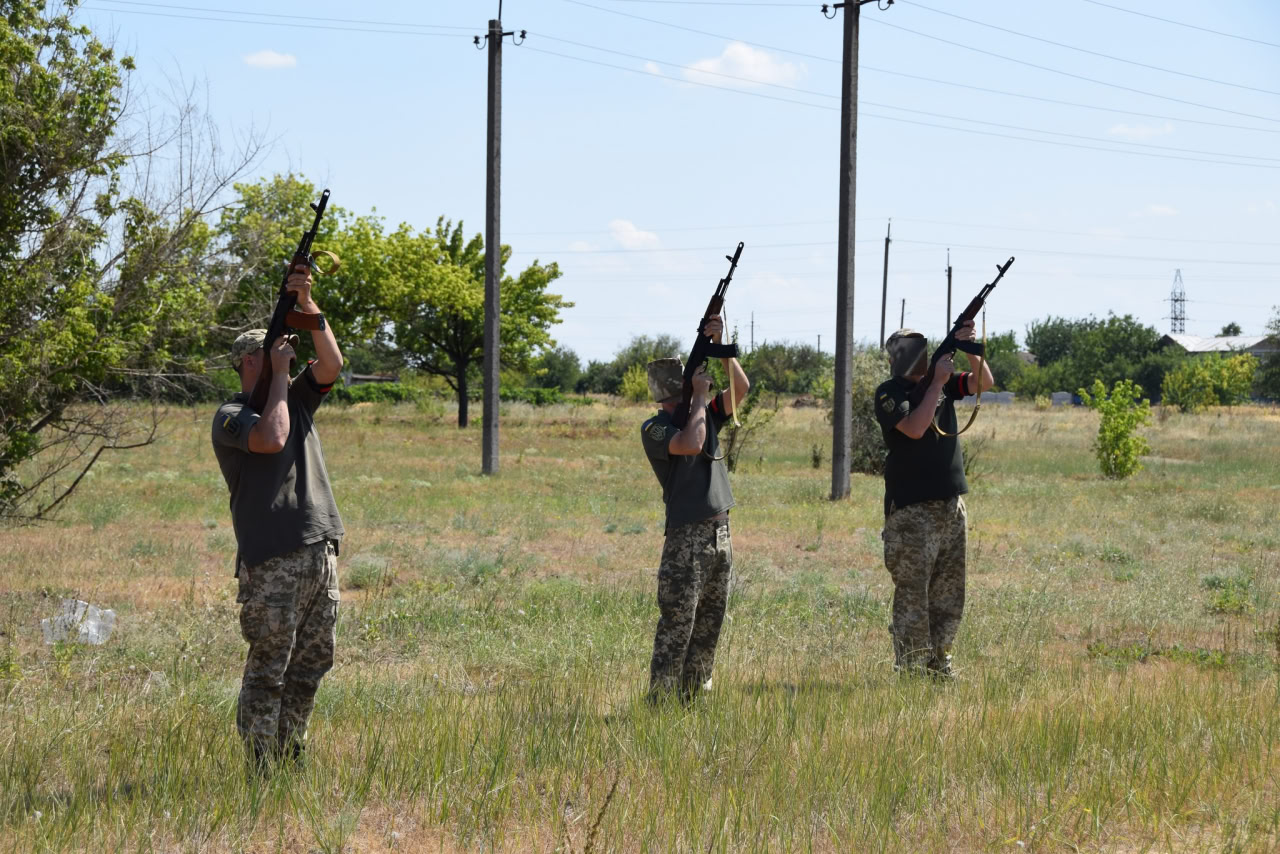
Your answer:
<point x="714" y="328"/>
<point x="299" y="282"/>
<point x="281" y="357"/>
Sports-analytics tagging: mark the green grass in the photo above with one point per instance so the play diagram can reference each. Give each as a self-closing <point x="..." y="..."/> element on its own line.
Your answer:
<point x="1117" y="665"/>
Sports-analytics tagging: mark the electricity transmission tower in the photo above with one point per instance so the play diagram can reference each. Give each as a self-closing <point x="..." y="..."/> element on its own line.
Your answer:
<point x="1178" y="305"/>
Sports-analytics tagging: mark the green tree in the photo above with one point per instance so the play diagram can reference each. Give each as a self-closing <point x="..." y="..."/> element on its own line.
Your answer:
<point x="1073" y="353"/>
<point x="436" y="303"/>
<point x="557" y="367"/>
<point x="1210" y="380"/>
<point x="1123" y="412"/>
<point x="1231" y="329"/>
<point x="261" y="232"/>
<point x="606" y="377"/>
<point x="635" y="384"/>
<point x="1267" y="380"/>
<point x="1002" y="356"/>
<point x="103" y="282"/>
<point x="788" y="367"/>
<point x="1052" y="339"/>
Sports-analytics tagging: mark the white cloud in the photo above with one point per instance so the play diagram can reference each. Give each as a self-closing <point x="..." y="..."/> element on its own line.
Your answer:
<point x="1155" y="210"/>
<point x="652" y="68"/>
<point x="625" y="232"/>
<point x="1140" y="132"/>
<point x="1267" y="208"/>
<point x="740" y="60"/>
<point x="582" y="246"/>
<point x="271" y="59"/>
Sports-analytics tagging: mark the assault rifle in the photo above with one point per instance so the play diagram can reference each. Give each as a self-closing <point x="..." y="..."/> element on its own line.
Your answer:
<point x="951" y="344"/>
<point x="285" y="317"/>
<point x="703" y="348"/>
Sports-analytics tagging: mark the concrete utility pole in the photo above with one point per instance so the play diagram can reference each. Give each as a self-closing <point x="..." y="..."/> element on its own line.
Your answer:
<point x="492" y="246"/>
<point x="902" y="318"/>
<point x="842" y="406"/>
<point x="884" y="289"/>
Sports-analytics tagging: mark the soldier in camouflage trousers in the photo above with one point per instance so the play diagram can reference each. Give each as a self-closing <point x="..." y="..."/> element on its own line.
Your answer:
<point x="289" y="615"/>
<point x="287" y="532"/>
<point x="925" y="517"/>
<point x="697" y="558"/>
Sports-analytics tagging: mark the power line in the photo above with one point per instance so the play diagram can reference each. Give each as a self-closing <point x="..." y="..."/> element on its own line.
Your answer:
<point x="652" y="75"/>
<point x="1183" y="24"/>
<point x="693" y="69"/>
<point x="1086" y="50"/>
<point x="1046" y="100"/>
<point x="1103" y="147"/>
<point x="681" y="228"/>
<point x="291" y="25"/>
<point x="702" y="32"/>
<point x="1072" y="135"/>
<point x="719" y="3"/>
<point x="1098" y="254"/>
<point x="685" y="67"/>
<point x="819" y="58"/>
<point x="290" y="17"/>
<point x="1069" y="73"/>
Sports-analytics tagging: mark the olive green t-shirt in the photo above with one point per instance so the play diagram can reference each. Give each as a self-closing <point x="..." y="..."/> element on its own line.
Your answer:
<point x="928" y="468"/>
<point x="694" y="486"/>
<point x="279" y="502"/>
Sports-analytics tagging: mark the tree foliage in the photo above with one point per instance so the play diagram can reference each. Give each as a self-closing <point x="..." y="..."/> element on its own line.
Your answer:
<point x="1210" y="380"/>
<point x="606" y="377"/>
<point x="557" y="367"/>
<point x="435" y="298"/>
<point x="103" y="286"/>
<point x="1267" y="380"/>
<point x="1073" y="353"/>
<point x="788" y="367"/>
<point x="1123" y="412"/>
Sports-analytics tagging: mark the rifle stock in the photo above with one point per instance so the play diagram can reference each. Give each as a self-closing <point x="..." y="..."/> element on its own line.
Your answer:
<point x="284" y="314"/>
<point x="951" y="344"/>
<point x="703" y="347"/>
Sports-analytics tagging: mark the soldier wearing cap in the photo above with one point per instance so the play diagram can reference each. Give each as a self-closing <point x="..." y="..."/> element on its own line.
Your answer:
<point x="697" y="558"/>
<point x="287" y="532"/>
<point x="925" y="517"/>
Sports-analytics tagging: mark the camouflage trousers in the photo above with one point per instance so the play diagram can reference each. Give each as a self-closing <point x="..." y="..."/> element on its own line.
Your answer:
<point x="693" y="589"/>
<point x="288" y="614"/>
<point x="924" y="551"/>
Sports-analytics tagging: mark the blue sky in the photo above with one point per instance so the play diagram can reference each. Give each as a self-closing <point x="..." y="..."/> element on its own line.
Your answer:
<point x="638" y="163"/>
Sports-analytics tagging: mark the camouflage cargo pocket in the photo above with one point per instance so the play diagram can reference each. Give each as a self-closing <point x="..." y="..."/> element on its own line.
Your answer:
<point x="259" y="620"/>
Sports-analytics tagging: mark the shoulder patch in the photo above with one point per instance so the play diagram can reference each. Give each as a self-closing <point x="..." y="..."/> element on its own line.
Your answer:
<point x="888" y="403"/>
<point x="657" y="432"/>
<point x="231" y="424"/>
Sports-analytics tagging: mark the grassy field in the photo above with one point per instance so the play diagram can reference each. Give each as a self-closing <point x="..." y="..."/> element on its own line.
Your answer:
<point x="1117" y="667"/>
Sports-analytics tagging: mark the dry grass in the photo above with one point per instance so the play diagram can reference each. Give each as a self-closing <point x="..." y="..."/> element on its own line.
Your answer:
<point x="486" y="695"/>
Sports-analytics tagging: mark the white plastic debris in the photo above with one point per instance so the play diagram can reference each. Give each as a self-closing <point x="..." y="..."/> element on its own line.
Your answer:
<point x="80" y="622"/>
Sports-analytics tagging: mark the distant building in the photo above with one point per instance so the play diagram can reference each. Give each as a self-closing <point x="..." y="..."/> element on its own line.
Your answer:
<point x="1258" y="346"/>
<point x="350" y="379"/>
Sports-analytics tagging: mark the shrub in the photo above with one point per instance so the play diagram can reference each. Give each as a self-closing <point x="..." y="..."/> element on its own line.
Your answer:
<point x="375" y="393"/>
<point x="1043" y="403"/>
<point x="532" y="396"/>
<point x="1122" y="413"/>
<point x="635" y="384"/>
<point x="868" y="450"/>
<point x="1189" y="387"/>
<point x="753" y="417"/>
<point x="1209" y="380"/>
